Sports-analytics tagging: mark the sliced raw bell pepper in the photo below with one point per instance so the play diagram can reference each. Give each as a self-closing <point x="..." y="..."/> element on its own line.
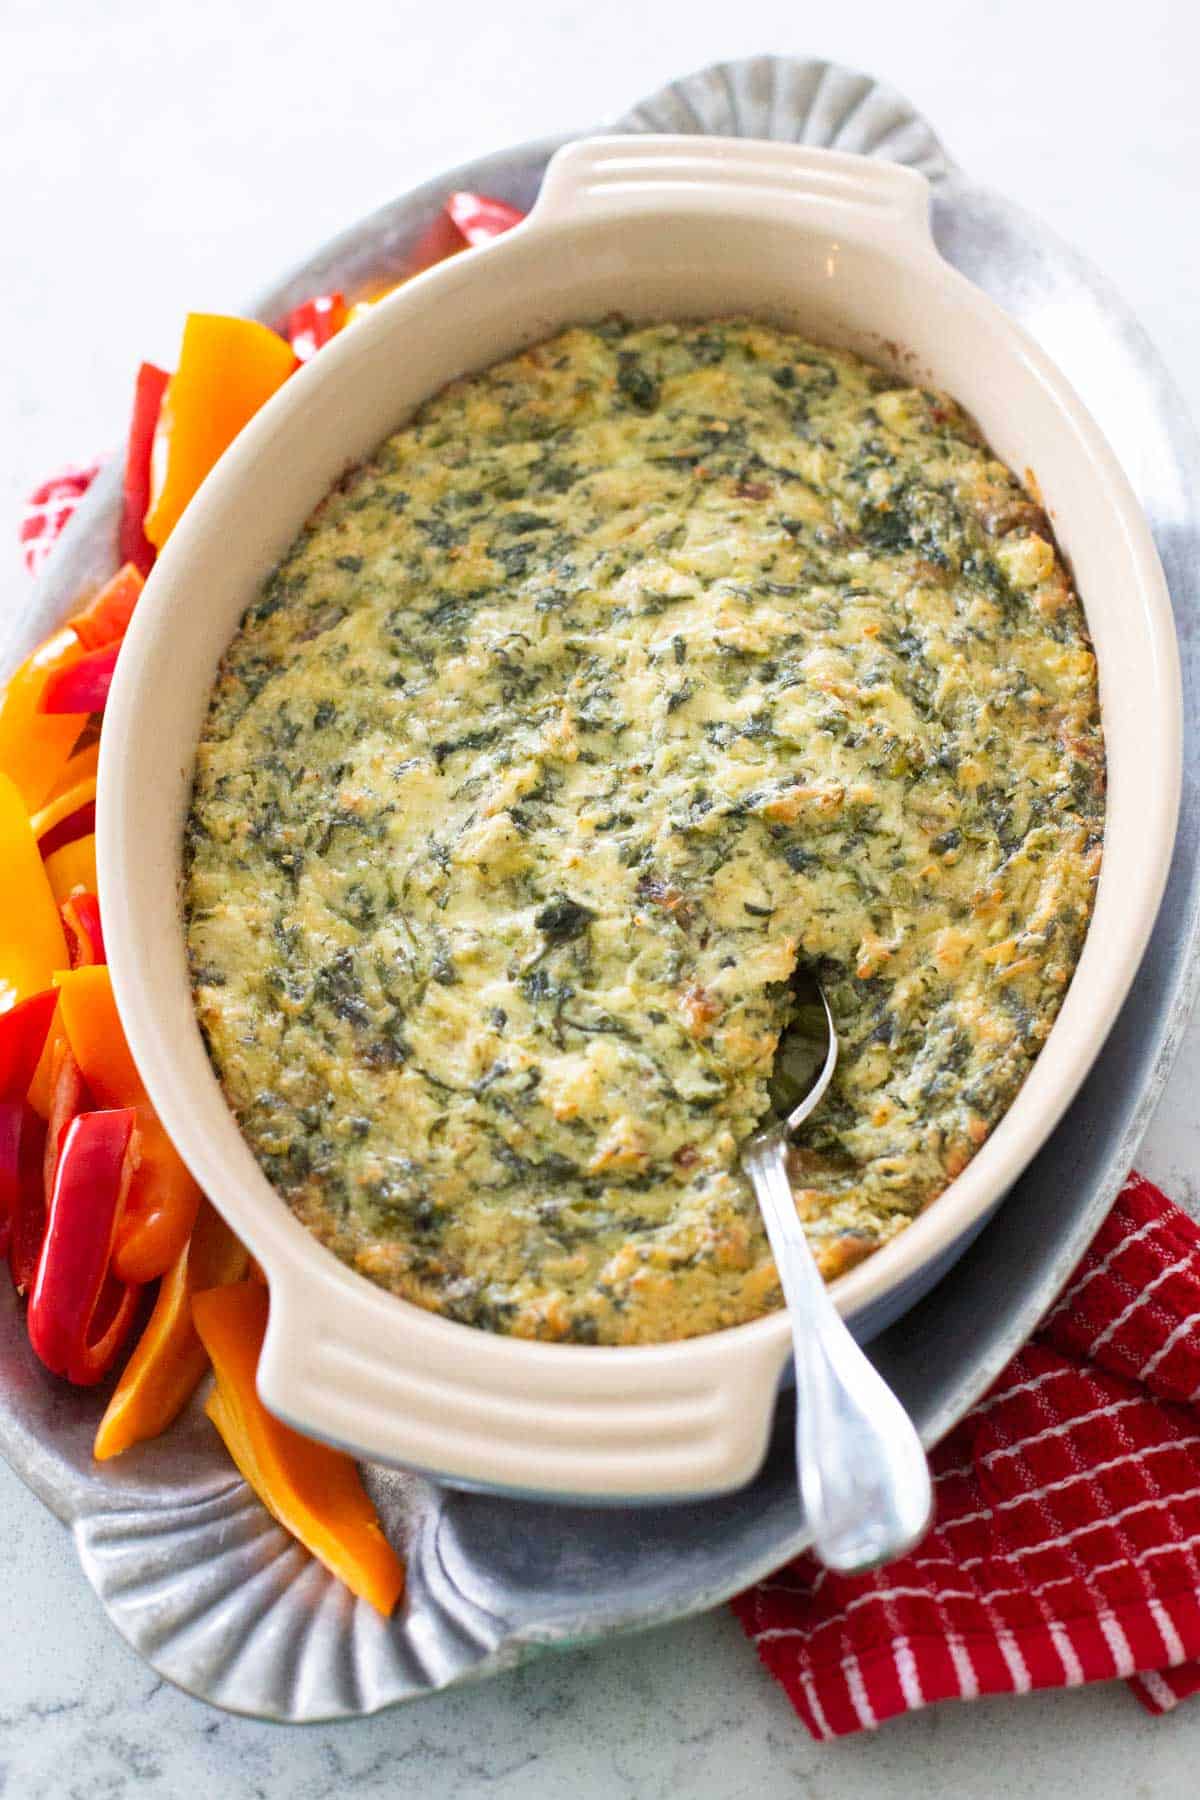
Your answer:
<point x="76" y="825"/>
<point x="23" y="1032"/>
<point x="12" y="1120"/>
<point x="83" y="930"/>
<point x="67" y="1096"/>
<point x="41" y="1088"/>
<point x="82" y="687"/>
<point x="79" y="1313"/>
<point x="35" y="746"/>
<point x="311" y="326"/>
<point x="106" y="617"/>
<point x="70" y="809"/>
<point x="66" y="815"/>
<point x="163" y="1199"/>
<point x="32" y="945"/>
<point x="22" y="1197"/>
<point x="71" y="869"/>
<point x="169" y="1360"/>
<point x="313" y="1491"/>
<point x="29" y="1038"/>
<point x="136" y="547"/>
<point x="361" y="308"/>
<point x="228" y="368"/>
<point x="13" y="1115"/>
<point x="84" y="761"/>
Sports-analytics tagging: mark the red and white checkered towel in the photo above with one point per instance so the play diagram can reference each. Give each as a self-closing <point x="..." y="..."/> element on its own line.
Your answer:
<point x="1066" y="1546"/>
<point x="48" y="509"/>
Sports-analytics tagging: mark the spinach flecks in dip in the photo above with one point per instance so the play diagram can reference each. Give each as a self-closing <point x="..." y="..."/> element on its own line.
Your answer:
<point x="630" y="674"/>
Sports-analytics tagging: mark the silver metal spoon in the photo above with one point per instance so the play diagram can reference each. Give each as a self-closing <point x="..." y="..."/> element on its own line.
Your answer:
<point x="863" y="1475"/>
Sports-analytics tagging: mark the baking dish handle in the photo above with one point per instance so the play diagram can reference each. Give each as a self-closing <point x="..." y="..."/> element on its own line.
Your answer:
<point x="832" y="190"/>
<point x="353" y="1365"/>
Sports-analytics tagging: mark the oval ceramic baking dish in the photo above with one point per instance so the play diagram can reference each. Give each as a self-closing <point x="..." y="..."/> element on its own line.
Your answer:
<point x="838" y="247"/>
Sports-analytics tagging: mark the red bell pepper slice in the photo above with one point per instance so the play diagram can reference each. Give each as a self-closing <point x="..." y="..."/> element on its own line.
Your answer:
<point x="480" y="218"/>
<point x="39" y="1163"/>
<point x="25" y="1204"/>
<point x="12" y="1120"/>
<point x="23" y="1031"/>
<point x="82" y="687"/>
<point x="69" y="1097"/>
<point x="79" y="1313"/>
<point x="22" y="1142"/>
<point x="311" y="325"/>
<point x="136" y="547"/>
<point x="80" y="823"/>
<point x="84" y="932"/>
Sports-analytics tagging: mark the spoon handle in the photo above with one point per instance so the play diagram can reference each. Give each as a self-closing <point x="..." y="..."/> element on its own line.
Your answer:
<point x="863" y="1475"/>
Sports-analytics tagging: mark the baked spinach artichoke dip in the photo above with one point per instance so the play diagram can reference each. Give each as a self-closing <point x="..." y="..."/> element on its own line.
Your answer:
<point x="632" y="676"/>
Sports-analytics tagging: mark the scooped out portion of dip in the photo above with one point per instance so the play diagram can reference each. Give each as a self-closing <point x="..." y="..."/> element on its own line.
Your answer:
<point x="633" y="672"/>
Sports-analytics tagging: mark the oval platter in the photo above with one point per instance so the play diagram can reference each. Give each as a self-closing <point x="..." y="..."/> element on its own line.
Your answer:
<point x="190" y="1568"/>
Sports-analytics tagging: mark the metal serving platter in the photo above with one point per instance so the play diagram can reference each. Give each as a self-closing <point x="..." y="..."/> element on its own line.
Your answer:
<point x="190" y="1568"/>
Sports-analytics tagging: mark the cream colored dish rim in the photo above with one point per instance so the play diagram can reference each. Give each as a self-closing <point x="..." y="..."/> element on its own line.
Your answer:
<point x="658" y="227"/>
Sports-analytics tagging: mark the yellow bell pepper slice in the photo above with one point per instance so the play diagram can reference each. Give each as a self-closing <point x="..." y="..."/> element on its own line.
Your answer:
<point x="228" y="368"/>
<point x="358" y="311"/>
<point x="35" y="746"/>
<point x="367" y="304"/>
<point x="71" y="867"/>
<point x="60" y="806"/>
<point x="313" y="1491"/>
<point x="32" y="944"/>
<point x="165" y="1369"/>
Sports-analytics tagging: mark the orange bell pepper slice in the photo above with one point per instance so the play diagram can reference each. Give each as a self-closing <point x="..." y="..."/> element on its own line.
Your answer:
<point x="32" y="945"/>
<point x="313" y="1491"/>
<point x="228" y="368"/>
<point x="106" y="617"/>
<point x="163" y="1200"/>
<point x="35" y="746"/>
<point x="166" y="1367"/>
<point x="72" y="868"/>
<point x="83" y="762"/>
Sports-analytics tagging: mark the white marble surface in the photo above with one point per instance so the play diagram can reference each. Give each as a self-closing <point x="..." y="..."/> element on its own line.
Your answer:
<point x="157" y="158"/>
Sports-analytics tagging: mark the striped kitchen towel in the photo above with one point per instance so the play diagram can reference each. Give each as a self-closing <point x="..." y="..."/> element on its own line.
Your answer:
<point x="48" y="509"/>
<point x="1066" y="1545"/>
